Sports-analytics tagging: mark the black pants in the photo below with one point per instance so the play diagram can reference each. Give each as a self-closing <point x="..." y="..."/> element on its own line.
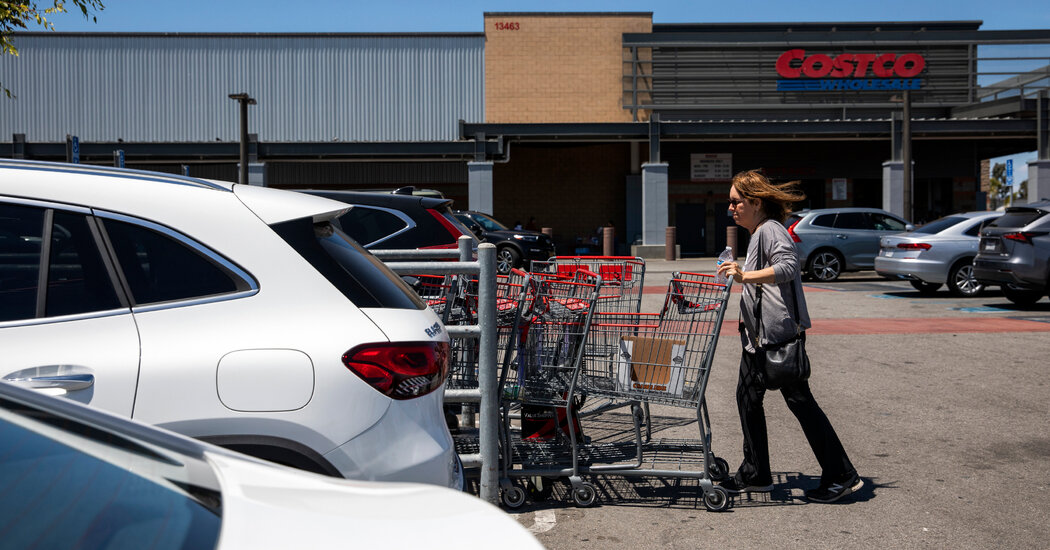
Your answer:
<point x="755" y="470"/>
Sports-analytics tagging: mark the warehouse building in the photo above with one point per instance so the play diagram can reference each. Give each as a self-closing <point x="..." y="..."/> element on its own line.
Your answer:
<point x="576" y="119"/>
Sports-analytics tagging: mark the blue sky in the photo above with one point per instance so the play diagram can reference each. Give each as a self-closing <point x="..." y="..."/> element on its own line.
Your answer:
<point x="466" y="16"/>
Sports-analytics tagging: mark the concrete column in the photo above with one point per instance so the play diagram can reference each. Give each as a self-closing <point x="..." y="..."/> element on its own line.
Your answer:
<point x="654" y="203"/>
<point x="1038" y="180"/>
<point x="479" y="186"/>
<point x="893" y="187"/>
<point x="257" y="174"/>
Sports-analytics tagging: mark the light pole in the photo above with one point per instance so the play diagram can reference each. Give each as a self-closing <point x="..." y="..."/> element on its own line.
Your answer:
<point x="245" y="100"/>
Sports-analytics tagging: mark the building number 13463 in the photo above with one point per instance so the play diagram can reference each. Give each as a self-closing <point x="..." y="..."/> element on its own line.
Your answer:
<point x="507" y="26"/>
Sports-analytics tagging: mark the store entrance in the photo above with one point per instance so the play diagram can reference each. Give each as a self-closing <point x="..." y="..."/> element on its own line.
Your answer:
<point x="691" y="219"/>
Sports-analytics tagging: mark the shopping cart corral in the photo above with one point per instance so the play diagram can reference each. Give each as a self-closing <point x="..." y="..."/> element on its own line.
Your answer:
<point x="660" y="358"/>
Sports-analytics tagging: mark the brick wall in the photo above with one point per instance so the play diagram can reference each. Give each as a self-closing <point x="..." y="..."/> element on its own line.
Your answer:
<point x="572" y="188"/>
<point x="543" y="68"/>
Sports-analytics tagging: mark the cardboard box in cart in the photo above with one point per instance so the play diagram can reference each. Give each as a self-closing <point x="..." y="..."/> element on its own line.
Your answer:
<point x="651" y="364"/>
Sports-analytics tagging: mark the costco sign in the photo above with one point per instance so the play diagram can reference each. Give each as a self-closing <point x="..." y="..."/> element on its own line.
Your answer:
<point x="848" y="71"/>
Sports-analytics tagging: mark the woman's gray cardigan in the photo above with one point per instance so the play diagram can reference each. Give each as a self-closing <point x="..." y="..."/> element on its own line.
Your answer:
<point x="771" y="245"/>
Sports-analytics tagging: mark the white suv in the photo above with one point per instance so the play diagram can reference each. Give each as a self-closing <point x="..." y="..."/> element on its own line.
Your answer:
<point x="234" y="314"/>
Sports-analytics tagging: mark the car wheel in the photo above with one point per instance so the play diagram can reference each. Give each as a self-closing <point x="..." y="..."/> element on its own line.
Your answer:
<point x="506" y="259"/>
<point x="1021" y="296"/>
<point x="825" y="265"/>
<point x="961" y="279"/>
<point x="924" y="288"/>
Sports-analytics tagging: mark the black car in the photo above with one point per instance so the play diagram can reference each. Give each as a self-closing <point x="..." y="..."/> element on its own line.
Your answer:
<point x="513" y="246"/>
<point x="1015" y="253"/>
<point x="398" y="221"/>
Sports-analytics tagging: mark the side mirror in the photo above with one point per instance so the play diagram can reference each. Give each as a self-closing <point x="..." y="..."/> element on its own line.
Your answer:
<point x="909" y="227"/>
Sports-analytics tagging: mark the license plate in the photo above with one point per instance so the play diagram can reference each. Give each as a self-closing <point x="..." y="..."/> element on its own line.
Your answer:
<point x="990" y="245"/>
<point x="887" y="253"/>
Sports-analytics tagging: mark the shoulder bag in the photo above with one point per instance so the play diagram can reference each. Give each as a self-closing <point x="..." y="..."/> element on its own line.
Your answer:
<point x="784" y="363"/>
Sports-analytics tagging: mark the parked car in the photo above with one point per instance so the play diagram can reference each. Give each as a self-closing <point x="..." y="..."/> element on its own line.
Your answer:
<point x="79" y="477"/>
<point x="831" y="241"/>
<point x="514" y="247"/>
<point x="1015" y="253"/>
<point x="236" y="314"/>
<point x="939" y="252"/>
<point x="398" y="221"/>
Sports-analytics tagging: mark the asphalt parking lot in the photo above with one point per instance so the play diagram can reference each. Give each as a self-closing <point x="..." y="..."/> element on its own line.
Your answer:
<point x="940" y="401"/>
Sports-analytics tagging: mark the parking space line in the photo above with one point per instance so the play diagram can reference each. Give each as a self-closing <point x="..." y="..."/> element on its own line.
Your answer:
<point x="544" y="520"/>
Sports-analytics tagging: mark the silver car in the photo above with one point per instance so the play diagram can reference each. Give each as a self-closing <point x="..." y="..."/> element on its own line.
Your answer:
<point x="939" y="252"/>
<point x="1015" y="253"/>
<point x="833" y="240"/>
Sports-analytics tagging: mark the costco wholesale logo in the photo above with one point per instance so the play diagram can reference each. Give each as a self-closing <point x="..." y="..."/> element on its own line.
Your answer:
<point x="848" y="71"/>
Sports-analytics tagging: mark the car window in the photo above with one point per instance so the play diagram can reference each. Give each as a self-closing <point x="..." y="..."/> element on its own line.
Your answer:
<point x="1017" y="218"/>
<point x="360" y="276"/>
<point x="59" y="495"/>
<point x="975" y="229"/>
<point x="490" y="224"/>
<point x="824" y="220"/>
<point x="160" y="268"/>
<point x="77" y="278"/>
<point x="368" y="225"/>
<point x="936" y="226"/>
<point x="853" y="220"/>
<point x="882" y="222"/>
<point x="21" y="235"/>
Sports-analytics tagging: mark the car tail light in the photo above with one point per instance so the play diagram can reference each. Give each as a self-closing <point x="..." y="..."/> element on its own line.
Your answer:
<point x="913" y="246"/>
<point x="791" y="231"/>
<point x="453" y="231"/>
<point x="1020" y="236"/>
<point x="400" y="370"/>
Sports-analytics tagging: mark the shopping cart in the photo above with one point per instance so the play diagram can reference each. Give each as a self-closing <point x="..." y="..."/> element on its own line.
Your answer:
<point x="662" y="358"/>
<point x="461" y="300"/>
<point x="623" y="278"/>
<point x="539" y="385"/>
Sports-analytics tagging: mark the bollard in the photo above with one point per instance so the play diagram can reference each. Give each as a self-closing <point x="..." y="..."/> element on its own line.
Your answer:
<point x="466" y="254"/>
<point x="731" y="240"/>
<point x="669" y="242"/>
<point x="608" y="241"/>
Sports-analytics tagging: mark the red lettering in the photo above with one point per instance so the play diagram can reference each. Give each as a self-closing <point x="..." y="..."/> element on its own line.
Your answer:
<point x="863" y="60"/>
<point x="880" y="69"/>
<point x="810" y="69"/>
<point x="819" y="65"/>
<point x="784" y="67"/>
<point x="843" y="65"/>
<point x="918" y="63"/>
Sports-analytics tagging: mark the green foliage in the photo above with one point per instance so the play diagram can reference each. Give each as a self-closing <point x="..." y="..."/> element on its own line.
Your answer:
<point x="15" y="16"/>
<point x="998" y="191"/>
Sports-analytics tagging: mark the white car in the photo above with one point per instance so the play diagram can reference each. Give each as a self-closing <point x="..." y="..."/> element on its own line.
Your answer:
<point x="78" y="477"/>
<point x="234" y="314"/>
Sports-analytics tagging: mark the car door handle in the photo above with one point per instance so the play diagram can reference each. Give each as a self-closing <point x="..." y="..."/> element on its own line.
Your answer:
<point x="67" y="382"/>
<point x="841" y="236"/>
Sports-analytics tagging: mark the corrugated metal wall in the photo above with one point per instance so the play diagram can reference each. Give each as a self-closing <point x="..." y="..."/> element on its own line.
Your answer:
<point x="174" y="88"/>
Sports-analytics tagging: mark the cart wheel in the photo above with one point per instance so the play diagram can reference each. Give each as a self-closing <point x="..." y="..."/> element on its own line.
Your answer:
<point x="719" y="470"/>
<point x="539" y="488"/>
<point x="584" y="495"/>
<point x="513" y="497"/>
<point x="716" y="500"/>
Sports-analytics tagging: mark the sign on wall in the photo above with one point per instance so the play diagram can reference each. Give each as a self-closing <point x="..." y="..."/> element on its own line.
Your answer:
<point x="801" y="71"/>
<point x="711" y="166"/>
<point x="838" y="189"/>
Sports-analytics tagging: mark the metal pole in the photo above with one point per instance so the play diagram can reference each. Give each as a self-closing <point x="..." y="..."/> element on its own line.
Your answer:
<point x="244" y="143"/>
<point x="488" y="378"/>
<point x="906" y="153"/>
<point x="245" y="100"/>
<point x="466" y="254"/>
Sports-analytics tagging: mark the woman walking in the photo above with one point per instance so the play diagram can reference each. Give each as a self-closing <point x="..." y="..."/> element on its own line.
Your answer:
<point x="771" y="271"/>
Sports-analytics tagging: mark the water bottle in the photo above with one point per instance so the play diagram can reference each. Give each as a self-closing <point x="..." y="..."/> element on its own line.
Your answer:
<point x="725" y="256"/>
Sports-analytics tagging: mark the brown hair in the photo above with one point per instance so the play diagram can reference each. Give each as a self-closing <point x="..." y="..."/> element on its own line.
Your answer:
<point x="776" y="198"/>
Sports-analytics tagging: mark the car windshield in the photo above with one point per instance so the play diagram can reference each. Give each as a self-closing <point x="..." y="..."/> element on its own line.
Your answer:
<point x="70" y="485"/>
<point x="487" y="223"/>
<point x="936" y="226"/>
